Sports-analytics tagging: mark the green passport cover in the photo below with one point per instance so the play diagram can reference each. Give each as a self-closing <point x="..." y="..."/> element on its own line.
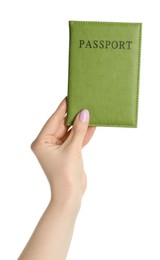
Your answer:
<point x="103" y="73"/>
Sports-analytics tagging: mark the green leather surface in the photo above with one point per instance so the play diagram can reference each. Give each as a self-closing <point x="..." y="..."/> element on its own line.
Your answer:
<point x="103" y="76"/>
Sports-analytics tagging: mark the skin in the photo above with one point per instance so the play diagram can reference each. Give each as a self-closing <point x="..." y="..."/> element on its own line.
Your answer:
<point x="58" y="150"/>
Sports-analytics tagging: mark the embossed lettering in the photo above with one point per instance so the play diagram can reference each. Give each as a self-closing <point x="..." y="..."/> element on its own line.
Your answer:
<point x="121" y="45"/>
<point x="105" y="44"/>
<point x="101" y="44"/>
<point x="81" y="42"/>
<point x="95" y="44"/>
<point x="108" y="43"/>
<point x="114" y="45"/>
<point x="88" y="45"/>
<point x="129" y="44"/>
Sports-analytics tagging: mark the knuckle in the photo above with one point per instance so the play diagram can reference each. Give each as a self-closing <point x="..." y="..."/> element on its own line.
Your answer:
<point x="35" y="145"/>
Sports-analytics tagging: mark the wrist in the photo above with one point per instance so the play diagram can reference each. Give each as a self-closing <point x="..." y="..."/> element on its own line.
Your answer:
<point x="70" y="206"/>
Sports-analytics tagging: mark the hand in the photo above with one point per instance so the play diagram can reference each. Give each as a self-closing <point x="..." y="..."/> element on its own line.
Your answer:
<point x="58" y="149"/>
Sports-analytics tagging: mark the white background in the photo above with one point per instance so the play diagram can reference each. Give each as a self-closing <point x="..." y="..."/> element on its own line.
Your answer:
<point x="120" y="213"/>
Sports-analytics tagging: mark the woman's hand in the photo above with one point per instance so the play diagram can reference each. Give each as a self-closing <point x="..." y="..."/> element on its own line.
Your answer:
<point x="58" y="149"/>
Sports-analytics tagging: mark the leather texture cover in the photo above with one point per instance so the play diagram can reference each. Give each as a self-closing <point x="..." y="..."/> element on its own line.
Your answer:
<point x="104" y="69"/>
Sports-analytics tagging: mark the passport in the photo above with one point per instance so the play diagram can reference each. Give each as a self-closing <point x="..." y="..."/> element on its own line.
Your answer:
<point x="104" y="72"/>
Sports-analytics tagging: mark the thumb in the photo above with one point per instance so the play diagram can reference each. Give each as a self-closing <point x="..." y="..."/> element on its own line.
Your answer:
<point x="79" y="129"/>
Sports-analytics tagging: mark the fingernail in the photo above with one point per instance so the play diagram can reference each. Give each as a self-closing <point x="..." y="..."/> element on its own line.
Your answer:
<point x="84" y="115"/>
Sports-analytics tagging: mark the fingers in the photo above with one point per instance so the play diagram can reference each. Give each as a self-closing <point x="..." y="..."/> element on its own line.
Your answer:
<point x="87" y="138"/>
<point x="79" y="130"/>
<point x="89" y="134"/>
<point x="56" y="121"/>
<point x="55" y="128"/>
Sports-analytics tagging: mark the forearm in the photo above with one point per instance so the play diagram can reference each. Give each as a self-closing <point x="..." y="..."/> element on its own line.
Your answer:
<point x="52" y="235"/>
